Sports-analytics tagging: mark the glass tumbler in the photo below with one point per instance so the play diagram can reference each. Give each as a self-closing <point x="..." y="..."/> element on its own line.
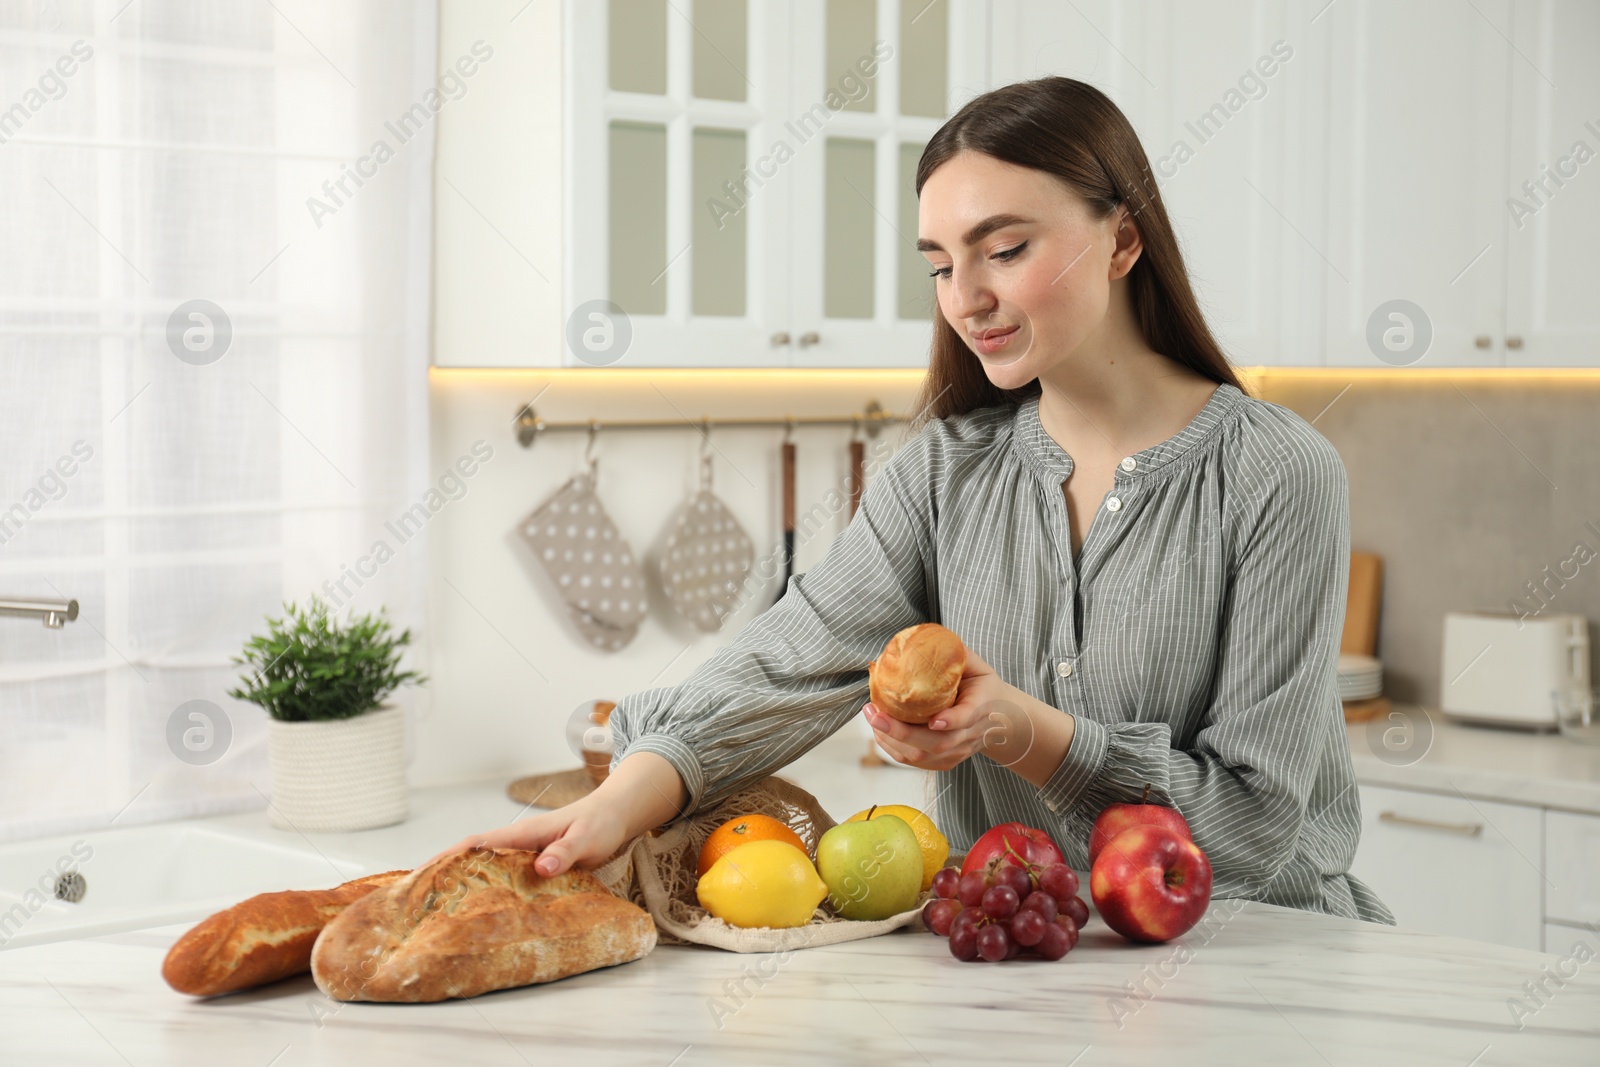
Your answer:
<point x="1578" y="714"/>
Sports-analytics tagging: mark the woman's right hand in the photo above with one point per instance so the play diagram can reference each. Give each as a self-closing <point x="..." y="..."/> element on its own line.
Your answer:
<point x="584" y="833"/>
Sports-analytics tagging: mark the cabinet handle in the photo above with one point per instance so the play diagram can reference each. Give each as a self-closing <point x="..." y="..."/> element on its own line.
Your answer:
<point x="1482" y="340"/>
<point x="1513" y="341"/>
<point x="779" y="338"/>
<point x="809" y="339"/>
<point x="1465" y="829"/>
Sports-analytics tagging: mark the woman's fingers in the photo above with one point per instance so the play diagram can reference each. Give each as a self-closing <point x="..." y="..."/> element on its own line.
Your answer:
<point x="555" y="858"/>
<point x="902" y="753"/>
<point x="887" y="724"/>
<point x="909" y="737"/>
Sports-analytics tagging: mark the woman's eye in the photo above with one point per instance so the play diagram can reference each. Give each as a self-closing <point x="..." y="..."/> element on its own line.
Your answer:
<point x="1010" y="253"/>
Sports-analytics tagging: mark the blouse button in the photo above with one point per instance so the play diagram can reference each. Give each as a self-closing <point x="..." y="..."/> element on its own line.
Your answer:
<point x="1113" y="504"/>
<point x="1064" y="669"/>
<point x="1128" y="463"/>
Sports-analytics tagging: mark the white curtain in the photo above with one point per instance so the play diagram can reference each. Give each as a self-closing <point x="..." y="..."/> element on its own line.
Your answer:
<point x="154" y="154"/>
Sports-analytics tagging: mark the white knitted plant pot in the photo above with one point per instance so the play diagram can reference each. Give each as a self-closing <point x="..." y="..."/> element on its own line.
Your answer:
<point x="339" y="774"/>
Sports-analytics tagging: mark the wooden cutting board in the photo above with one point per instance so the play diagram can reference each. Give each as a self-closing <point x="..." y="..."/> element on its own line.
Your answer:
<point x="554" y="789"/>
<point x="1362" y="710"/>
<point x="1363" y="607"/>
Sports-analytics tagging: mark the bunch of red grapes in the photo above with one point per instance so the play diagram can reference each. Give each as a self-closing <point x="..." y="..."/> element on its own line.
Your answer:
<point x="1007" y="910"/>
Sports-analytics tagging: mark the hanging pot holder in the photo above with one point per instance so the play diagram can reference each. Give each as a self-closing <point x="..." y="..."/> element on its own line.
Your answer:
<point x="602" y="585"/>
<point x="706" y="555"/>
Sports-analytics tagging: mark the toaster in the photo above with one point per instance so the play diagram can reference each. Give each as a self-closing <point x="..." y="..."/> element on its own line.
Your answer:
<point x="1503" y="669"/>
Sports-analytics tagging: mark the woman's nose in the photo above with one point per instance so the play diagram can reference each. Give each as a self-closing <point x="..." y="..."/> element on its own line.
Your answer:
<point x="970" y="299"/>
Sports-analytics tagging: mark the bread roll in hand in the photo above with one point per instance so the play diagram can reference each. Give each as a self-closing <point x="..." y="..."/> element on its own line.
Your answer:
<point x="918" y="674"/>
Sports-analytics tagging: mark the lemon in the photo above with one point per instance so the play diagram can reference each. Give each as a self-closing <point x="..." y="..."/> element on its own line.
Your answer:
<point x="935" y="847"/>
<point x="762" y="883"/>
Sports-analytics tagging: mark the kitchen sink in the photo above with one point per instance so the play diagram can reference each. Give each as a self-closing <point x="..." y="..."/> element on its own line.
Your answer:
<point x="107" y="881"/>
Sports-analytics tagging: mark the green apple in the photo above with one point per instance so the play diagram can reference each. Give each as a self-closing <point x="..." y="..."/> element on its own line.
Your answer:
<point x="872" y="868"/>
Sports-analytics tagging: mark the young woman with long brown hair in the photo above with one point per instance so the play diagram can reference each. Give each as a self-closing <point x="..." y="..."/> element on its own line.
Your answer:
<point x="1147" y="565"/>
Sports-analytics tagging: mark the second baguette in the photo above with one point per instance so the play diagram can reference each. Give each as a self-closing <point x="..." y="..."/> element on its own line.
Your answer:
<point x="263" y="939"/>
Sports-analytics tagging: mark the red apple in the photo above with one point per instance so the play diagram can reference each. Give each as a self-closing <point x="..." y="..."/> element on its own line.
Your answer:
<point x="1015" y="844"/>
<point x="1119" y="817"/>
<point x="1150" y="884"/>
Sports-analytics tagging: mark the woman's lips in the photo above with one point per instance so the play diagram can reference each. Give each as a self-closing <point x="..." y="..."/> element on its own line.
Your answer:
<point x="993" y="340"/>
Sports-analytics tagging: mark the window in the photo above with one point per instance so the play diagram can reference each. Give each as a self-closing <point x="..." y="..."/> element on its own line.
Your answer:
<point x="182" y="469"/>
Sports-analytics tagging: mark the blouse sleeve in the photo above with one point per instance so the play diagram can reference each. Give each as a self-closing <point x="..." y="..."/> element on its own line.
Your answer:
<point x="1244" y="781"/>
<point x="798" y="671"/>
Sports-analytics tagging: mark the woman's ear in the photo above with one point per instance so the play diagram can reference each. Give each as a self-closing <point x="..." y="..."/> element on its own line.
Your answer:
<point x="1128" y="243"/>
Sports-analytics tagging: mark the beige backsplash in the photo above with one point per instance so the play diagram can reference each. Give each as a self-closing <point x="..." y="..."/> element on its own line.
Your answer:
<point x="1468" y="486"/>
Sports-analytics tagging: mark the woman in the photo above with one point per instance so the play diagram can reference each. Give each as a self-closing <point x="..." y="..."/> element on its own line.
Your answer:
<point x="1154" y="563"/>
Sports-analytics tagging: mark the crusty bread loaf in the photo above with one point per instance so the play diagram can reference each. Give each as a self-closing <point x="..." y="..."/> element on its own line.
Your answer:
<point x="919" y="673"/>
<point x="472" y="922"/>
<point x="262" y="939"/>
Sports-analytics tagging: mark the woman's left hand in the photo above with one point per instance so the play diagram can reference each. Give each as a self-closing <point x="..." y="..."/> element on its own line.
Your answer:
<point x="986" y="717"/>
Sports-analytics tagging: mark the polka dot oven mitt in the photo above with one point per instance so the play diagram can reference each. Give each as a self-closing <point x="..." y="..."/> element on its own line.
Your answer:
<point x="704" y="561"/>
<point x="601" y="584"/>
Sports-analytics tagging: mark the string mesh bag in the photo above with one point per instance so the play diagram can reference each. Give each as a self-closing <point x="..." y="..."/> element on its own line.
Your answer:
<point x="659" y="873"/>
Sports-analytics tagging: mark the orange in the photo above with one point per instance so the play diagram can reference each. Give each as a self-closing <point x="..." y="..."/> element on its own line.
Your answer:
<point x="741" y="831"/>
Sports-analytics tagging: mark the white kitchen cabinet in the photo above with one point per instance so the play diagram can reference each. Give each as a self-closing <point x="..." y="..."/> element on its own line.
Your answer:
<point x="740" y="177"/>
<point x="1418" y="119"/>
<point x="1430" y="149"/>
<point x="1572" y="867"/>
<point x="1226" y="97"/>
<point x="1319" y="161"/>
<point x="1559" y="939"/>
<point x="1450" y="865"/>
<point x="1377" y="165"/>
<point x="1552" y="200"/>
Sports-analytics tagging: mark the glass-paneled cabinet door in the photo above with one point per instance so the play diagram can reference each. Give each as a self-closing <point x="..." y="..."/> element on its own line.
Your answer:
<point x="677" y="202"/>
<point x="873" y="81"/>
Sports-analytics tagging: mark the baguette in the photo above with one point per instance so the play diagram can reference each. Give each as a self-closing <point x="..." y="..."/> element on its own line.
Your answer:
<point x="472" y="922"/>
<point x="262" y="939"/>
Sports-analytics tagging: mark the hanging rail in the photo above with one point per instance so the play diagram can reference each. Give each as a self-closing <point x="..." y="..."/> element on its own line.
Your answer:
<point x="530" y="425"/>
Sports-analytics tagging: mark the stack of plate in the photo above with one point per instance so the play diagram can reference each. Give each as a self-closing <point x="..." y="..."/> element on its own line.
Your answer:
<point x="1360" y="677"/>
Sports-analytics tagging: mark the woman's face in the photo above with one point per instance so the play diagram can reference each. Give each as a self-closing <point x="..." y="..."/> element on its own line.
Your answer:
<point x="1037" y="264"/>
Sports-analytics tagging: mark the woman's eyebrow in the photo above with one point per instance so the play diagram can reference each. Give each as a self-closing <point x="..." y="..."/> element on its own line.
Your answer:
<point x="977" y="233"/>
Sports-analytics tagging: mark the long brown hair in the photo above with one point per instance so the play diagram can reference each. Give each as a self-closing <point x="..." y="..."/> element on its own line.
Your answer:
<point x="1072" y="130"/>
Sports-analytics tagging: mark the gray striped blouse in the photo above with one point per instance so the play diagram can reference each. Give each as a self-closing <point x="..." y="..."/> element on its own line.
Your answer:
<point x="1194" y="638"/>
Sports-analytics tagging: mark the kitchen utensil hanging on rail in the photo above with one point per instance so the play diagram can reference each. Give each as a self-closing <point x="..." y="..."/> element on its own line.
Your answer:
<point x="858" y="467"/>
<point x="788" y="509"/>
<point x="601" y="584"/>
<point x="707" y="556"/>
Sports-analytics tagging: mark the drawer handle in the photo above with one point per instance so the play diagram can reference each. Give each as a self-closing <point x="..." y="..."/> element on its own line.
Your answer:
<point x="1465" y="829"/>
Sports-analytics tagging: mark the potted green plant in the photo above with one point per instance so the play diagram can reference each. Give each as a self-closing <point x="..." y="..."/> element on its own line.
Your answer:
<point x="337" y="751"/>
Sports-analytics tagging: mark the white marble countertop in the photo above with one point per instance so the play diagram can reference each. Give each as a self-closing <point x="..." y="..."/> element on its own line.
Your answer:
<point x="1484" y="762"/>
<point x="1267" y="985"/>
